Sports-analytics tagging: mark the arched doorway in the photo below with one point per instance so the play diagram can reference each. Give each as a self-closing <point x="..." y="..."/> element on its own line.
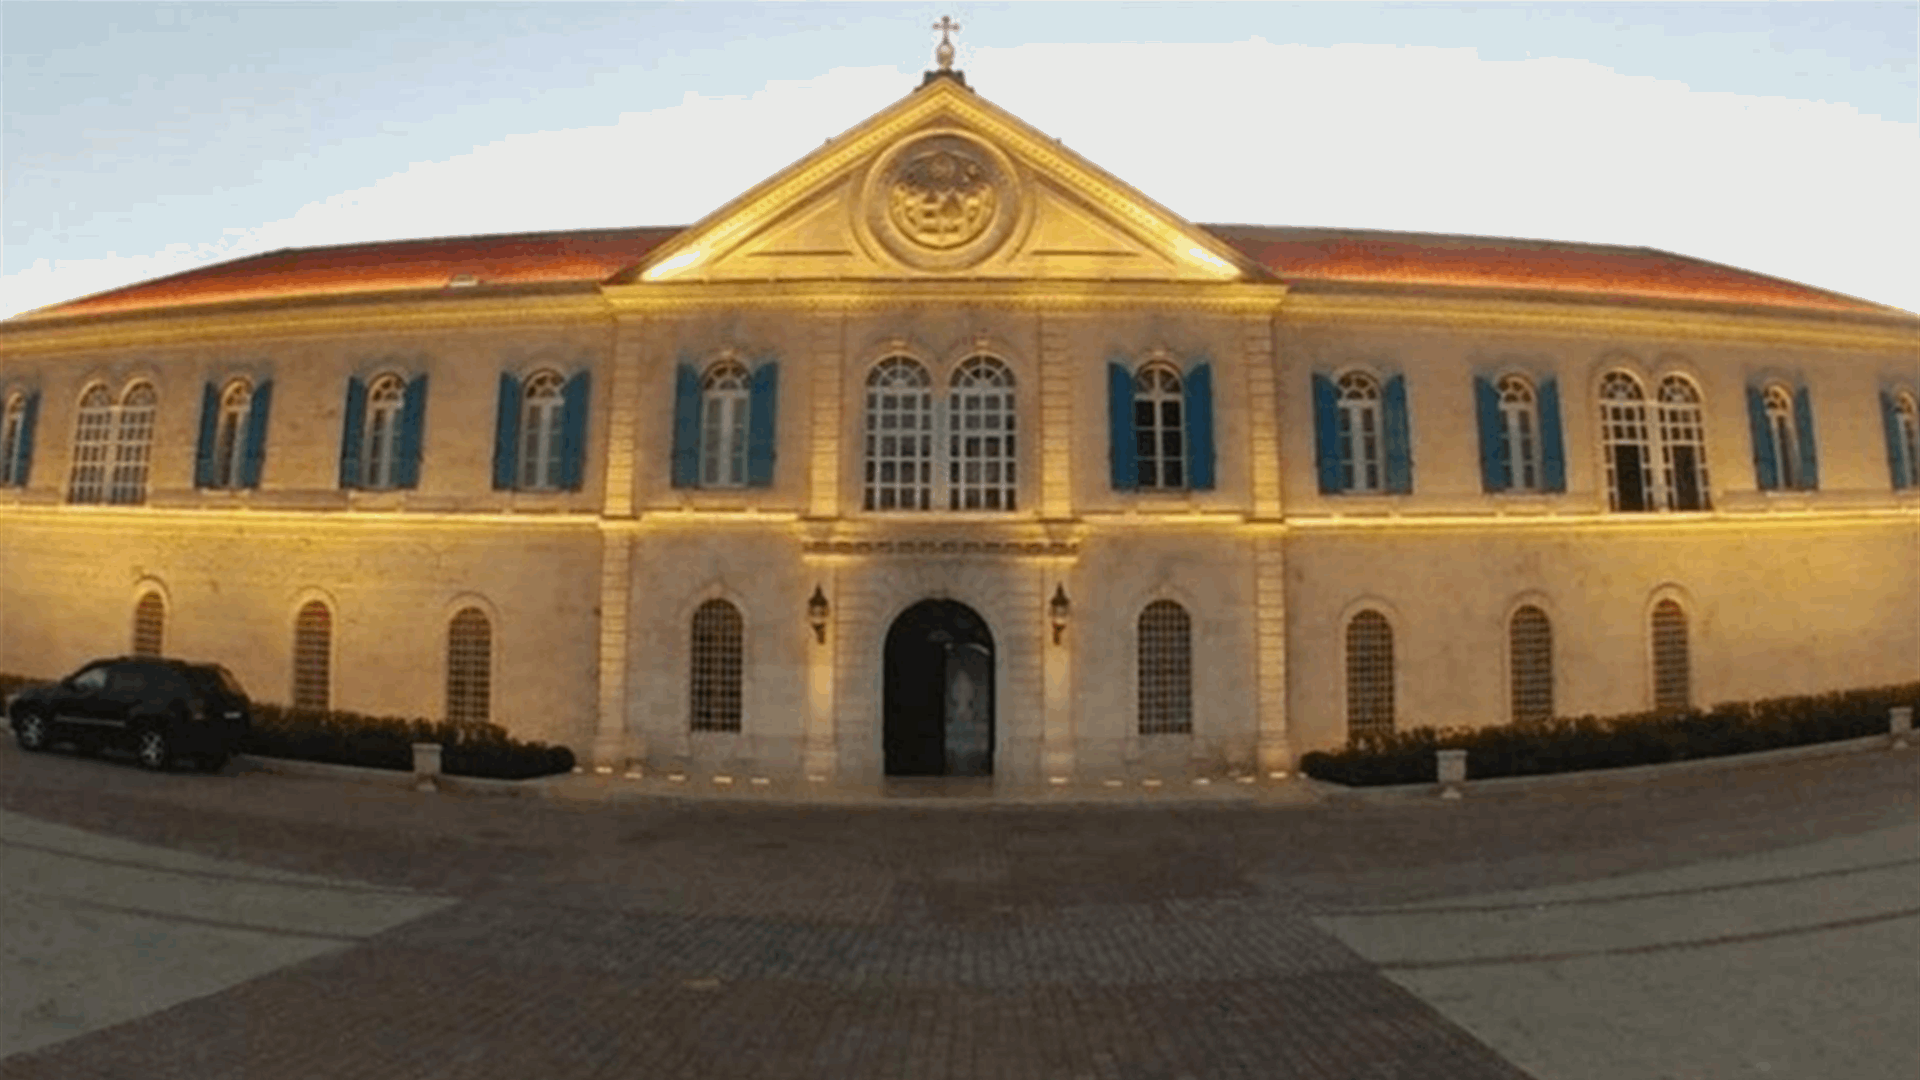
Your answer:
<point x="939" y="692"/>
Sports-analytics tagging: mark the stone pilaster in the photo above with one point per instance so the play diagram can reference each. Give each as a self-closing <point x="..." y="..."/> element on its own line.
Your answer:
<point x="1263" y="412"/>
<point x="822" y="742"/>
<point x="1274" y="751"/>
<point x="1057" y="747"/>
<point x="1056" y="421"/>
<point x="827" y="355"/>
<point x="615" y="742"/>
<point x="624" y="394"/>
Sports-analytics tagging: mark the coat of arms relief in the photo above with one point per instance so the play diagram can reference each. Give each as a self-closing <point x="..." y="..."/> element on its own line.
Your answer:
<point x="942" y="199"/>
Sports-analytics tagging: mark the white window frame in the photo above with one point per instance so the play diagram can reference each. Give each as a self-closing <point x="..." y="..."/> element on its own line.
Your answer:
<point x="542" y="402"/>
<point x="132" y="444"/>
<point x="1777" y="402"/>
<point x="898" y="463"/>
<point x="1668" y="428"/>
<point x="726" y="396"/>
<point x="1160" y="445"/>
<point x="982" y="465"/>
<point x="380" y="442"/>
<point x="1624" y="423"/>
<point x="230" y="433"/>
<point x="1361" y="435"/>
<point x="1520" y="417"/>
<point x="1683" y="426"/>
<point x="13" y="421"/>
<point x="92" y="446"/>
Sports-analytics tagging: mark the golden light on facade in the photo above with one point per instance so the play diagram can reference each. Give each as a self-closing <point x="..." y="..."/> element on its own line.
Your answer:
<point x="674" y="265"/>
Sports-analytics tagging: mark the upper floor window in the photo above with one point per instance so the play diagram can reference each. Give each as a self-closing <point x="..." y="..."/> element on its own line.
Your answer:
<point x="899" y="436"/>
<point x="149" y="625"/>
<point x="1632" y="440"/>
<point x="381" y="436"/>
<point x="16" y="438"/>
<point x="717" y="663"/>
<point x="1361" y="434"/>
<point x="1784" y="456"/>
<point x="233" y="429"/>
<point x="1900" y="414"/>
<point x="539" y="439"/>
<point x="1520" y="444"/>
<point x="112" y="446"/>
<point x="980" y="448"/>
<point x="1162" y="438"/>
<point x="1165" y="669"/>
<point x="1369" y="675"/>
<point x="469" y="667"/>
<point x="723" y="425"/>
<point x="1683" y="445"/>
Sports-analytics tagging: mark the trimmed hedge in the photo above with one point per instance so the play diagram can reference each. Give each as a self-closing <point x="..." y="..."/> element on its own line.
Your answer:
<point x="386" y="742"/>
<point x="1589" y="742"/>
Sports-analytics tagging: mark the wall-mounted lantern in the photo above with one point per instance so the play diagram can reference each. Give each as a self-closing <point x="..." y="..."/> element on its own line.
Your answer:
<point x="1058" y="610"/>
<point x="817" y="612"/>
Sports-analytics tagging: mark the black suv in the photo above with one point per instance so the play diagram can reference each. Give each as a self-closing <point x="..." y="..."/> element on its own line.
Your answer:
<point x="162" y="710"/>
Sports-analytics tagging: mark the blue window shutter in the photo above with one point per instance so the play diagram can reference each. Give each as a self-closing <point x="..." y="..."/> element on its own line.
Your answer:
<point x="1326" y="434"/>
<point x="1803" y="427"/>
<point x="352" y="430"/>
<point x="686" y="427"/>
<point x="1496" y="462"/>
<point x="1124" y="469"/>
<point x="1764" y="473"/>
<point x="1399" y="437"/>
<point x="574" y="400"/>
<point x="763" y="412"/>
<point x="1553" y="445"/>
<point x="506" y="434"/>
<point x="23" y="470"/>
<point x="1199" y="395"/>
<point x="259" y="413"/>
<point x="413" y="424"/>
<point x="203" y="454"/>
<point x="1897" y="465"/>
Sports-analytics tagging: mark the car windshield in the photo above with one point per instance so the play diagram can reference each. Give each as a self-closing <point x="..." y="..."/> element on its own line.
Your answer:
<point x="215" y="677"/>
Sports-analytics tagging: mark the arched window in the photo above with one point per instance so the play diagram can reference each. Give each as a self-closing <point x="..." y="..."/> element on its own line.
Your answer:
<point x="1359" y="433"/>
<point x="1166" y="669"/>
<point x="92" y="443"/>
<point x="1905" y="436"/>
<point x="149" y="625"/>
<point x="540" y="417"/>
<point x="899" y="449"/>
<point x="1530" y="659"/>
<point x="980" y="416"/>
<point x="313" y="657"/>
<point x="132" y="445"/>
<point x="230" y="434"/>
<point x="1783" y="441"/>
<point x="469" y="667"/>
<point x="725" y="393"/>
<point x="13" y="441"/>
<point x="1672" y="670"/>
<point x="380" y="452"/>
<point x="1627" y="442"/>
<point x="1520" y="421"/>
<point x="717" y="646"/>
<point x="1683" y="445"/>
<point x="1369" y="675"/>
<point x="1159" y="429"/>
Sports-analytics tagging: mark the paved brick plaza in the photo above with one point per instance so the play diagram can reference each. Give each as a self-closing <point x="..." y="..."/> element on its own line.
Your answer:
<point x="727" y="939"/>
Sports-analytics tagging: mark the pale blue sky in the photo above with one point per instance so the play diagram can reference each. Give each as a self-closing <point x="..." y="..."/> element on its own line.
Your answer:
<point x="144" y="138"/>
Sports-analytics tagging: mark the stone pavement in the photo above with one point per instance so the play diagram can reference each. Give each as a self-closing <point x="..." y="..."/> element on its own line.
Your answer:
<point x="1751" y="922"/>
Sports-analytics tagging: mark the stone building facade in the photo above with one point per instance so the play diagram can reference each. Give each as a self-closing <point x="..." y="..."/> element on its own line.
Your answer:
<point x="944" y="450"/>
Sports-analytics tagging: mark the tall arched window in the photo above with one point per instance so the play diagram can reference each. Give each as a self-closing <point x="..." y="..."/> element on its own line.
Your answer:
<point x="313" y="657"/>
<point x="717" y="642"/>
<point x="230" y="434"/>
<point x="1520" y="420"/>
<point x="132" y="445"/>
<point x="1905" y="440"/>
<point x="725" y="394"/>
<point x="1627" y="442"/>
<point x="980" y="417"/>
<point x="541" y="405"/>
<point x="1683" y="445"/>
<point x="380" y="452"/>
<point x="92" y="443"/>
<point x="1784" y="440"/>
<point x="899" y="450"/>
<point x="149" y="625"/>
<point x="1530" y="658"/>
<point x="13" y="423"/>
<point x="1369" y="675"/>
<point x="1672" y="669"/>
<point x="469" y="667"/>
<point x="1360" y="433"/>
<point x="1159" y="429"/>
<point x="1166" y="669"/>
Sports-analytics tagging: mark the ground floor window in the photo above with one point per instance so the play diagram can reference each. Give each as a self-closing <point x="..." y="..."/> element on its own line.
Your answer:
<point x="718" y="635"/>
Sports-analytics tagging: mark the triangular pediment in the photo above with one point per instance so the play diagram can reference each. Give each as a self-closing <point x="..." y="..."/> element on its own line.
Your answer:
<point x="943" y="184"/>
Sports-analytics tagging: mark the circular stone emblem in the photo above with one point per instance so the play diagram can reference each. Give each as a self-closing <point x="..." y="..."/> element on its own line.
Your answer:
<point x="941" y="202"/>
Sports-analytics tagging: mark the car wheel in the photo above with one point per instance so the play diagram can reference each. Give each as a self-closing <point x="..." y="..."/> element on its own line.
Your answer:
<point x="31" y="732"/>
<point x="155" y="751"/>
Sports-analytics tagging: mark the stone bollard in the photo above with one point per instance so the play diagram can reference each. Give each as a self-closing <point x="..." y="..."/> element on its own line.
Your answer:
<point x="426" y="765"/>
<point x="1453" y="772"/>
<point x="1900" y="725"/>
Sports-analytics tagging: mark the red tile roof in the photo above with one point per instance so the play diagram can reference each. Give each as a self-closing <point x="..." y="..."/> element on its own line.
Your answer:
<point x="1296" y="255"/>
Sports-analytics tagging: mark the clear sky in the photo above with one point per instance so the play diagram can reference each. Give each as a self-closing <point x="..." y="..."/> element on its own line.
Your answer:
<point x="142" y="139"/>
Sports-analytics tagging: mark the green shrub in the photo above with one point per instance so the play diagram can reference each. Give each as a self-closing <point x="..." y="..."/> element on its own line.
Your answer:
<point x="386" y="742"/>
<point x="1574" y="744"/>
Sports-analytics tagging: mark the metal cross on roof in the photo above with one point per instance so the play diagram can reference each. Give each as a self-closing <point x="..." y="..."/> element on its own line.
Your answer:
<point x="943" y="53"/>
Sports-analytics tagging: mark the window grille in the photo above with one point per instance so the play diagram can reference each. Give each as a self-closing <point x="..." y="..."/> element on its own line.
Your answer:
<point x="1623" y="431"/>
<point x="725" y="394"/>
<point x="230" y="437"/>
<point x="1369" y="675"/>
<point x="132" y="446"/>
<point x="1166" y="669"/>
<point x="540" y="432"/>
<point x="899" y="449"/>
<point x="313" y="657"/>
<point x="380" y="451"/>
<point x="1520" y="415"/>
<point x="149" y="625"/>
<point x="92" y="442"/>
<point x="1530" y="655"/>
<point x="1671" y="668"/>
<point x="1159" y="428"/>
<point x="1683" y="445"/>
<point x="717" y="647"/>
<point x="980" y="452"/>
<point x="1360" y="433"/>
<point x="469" y="667"/>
